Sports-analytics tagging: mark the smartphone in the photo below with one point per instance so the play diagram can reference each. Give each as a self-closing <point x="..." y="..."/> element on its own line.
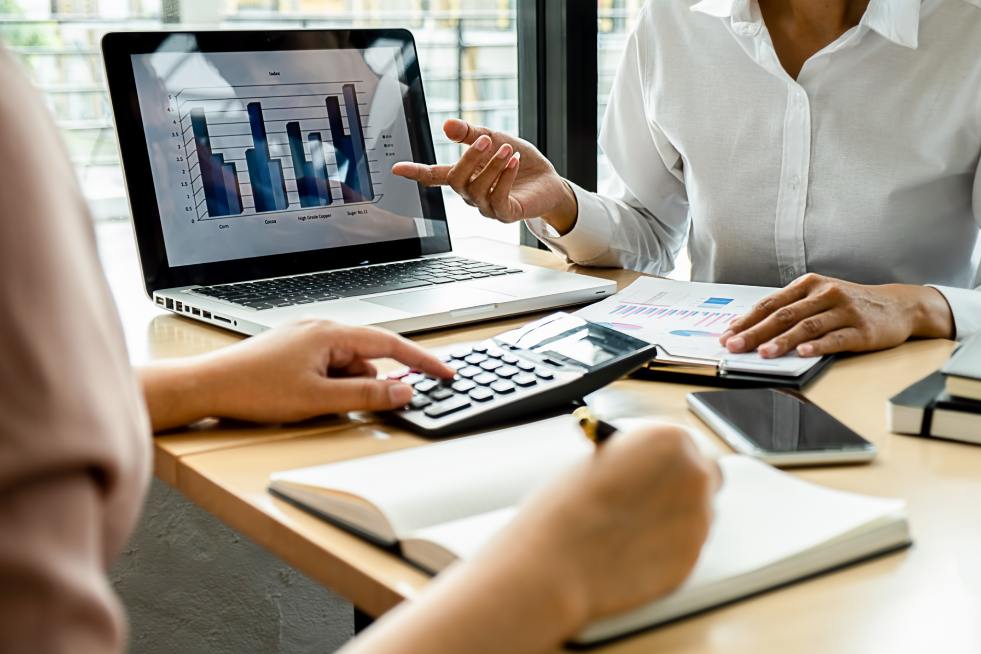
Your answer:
<point x="780" y="427"/>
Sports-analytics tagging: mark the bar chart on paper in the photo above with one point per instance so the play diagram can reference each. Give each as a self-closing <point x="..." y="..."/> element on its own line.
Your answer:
<point x="274" y="148"/>
<point x="709" y="317"/>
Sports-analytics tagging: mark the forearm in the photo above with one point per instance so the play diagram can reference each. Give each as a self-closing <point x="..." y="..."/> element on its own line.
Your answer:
<point x="177" y="392"/>
<point x="491" y="605"/>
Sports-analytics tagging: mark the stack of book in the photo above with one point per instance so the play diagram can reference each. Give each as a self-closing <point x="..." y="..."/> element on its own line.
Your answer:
<point x="947" y="403"/>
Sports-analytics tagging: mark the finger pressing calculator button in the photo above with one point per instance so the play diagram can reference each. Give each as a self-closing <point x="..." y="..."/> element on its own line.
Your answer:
<point x="525" y="379"/>
<point x="475" y="358"/>
<point x="485" y="378"/>
<point x="491" y="364"/>
<point x="506" y="372"/>
<point x="446" y="407"/>
<point x="481" y="394"/>
<point x="544" y="373"/>
<point x="419" y="402"/>
<point x="502" y="387"/>
<point x="463" y="386"/>
<point x="526" y="366"/>
<point x="469" y="372"/>
<point x="426" y="385"/>
<point x="441" y="394"/>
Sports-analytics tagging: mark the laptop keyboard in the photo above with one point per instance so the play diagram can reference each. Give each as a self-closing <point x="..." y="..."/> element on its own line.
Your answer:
<point x="333" y="285"/>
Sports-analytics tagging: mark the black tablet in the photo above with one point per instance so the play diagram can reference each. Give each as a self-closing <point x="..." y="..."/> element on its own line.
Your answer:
<point x="253" y="154"/>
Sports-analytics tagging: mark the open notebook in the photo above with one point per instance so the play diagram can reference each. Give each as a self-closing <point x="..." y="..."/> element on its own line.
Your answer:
<point x="443" y="502"/>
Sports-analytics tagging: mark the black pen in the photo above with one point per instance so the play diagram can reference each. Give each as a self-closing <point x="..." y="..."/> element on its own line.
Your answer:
<point x="595" y="429"/>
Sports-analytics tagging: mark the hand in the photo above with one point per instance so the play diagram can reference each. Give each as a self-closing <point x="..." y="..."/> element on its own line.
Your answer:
<point x="290" y="373"/>
<point x="622" y="529"/>
<point x="817" y="315"/>
<point x="505" y="177"/>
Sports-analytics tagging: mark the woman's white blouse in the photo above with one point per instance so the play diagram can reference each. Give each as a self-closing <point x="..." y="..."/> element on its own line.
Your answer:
<point x="865" y="168"/>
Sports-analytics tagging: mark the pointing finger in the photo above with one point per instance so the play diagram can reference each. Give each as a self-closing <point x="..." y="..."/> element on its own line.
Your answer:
<point x="426" y="175"/>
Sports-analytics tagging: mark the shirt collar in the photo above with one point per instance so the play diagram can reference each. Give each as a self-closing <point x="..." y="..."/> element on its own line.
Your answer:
<point x="896" y="20"/>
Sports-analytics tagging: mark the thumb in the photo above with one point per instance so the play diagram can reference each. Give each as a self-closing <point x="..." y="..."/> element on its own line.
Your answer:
<point x="460" y="131"/>
<point x="361" y="394"/>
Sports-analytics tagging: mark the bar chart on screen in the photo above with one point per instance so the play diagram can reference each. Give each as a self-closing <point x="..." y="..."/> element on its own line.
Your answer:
<point x="256" y="149"/>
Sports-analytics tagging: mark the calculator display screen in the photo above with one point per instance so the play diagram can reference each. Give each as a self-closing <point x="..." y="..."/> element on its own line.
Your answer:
<point x="579" y="347"/>
<point x="566" y="339"/>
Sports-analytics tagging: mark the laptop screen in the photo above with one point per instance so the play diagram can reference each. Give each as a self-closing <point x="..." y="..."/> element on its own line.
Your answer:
<point x="263" y="153"/>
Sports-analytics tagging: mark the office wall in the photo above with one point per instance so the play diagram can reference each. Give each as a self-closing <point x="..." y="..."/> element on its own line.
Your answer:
<point x="192" y="585"/>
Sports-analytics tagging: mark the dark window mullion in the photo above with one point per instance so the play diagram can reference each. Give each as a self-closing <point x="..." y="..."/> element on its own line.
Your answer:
<point x="557" y="82"/>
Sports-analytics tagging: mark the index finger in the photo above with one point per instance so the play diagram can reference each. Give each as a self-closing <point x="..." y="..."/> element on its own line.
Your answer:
<point x="373" y="343"/>
<point x="427" y="175"/>
<point x="762" y="309"/>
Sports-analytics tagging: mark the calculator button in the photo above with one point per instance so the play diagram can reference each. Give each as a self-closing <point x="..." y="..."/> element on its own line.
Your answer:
<point x="502" y="387"/>
<point x="463" y="386"/>
<point x="469" y="372"/>
<point x="445" y="408"/>
<point x="491" y="365"/>
<point x="526" y="366"/>
<point x="509" y="359"/>
<point x="480" y="349"/>
<point x="525" y="379"/>
<point x="485" y="378"/>
<point x="475" y="358"/>
<point x="460" y="352"/>
<point x="457" y="364"/>
<point x="419" y="402"/>
<point x="399" y="374"/>
<point x="506" y="372"/>
<point x="413" y="379"/>
<point x="481" y="394"/>
<point x="441" y="394"/>
<point x="495" y="352"/>
<point x="544" y="373"/>
<point x="425" y="385"/>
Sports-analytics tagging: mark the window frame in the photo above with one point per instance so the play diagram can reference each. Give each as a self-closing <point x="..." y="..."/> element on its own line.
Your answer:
<point x="554" y="61"/>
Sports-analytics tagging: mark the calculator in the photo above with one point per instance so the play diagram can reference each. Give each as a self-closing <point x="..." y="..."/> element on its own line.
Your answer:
<point x="543" y="365"/>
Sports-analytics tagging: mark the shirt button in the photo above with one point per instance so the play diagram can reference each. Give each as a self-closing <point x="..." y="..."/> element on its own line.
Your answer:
<point x="794" y="183"/>
<point x="747" y="29"/>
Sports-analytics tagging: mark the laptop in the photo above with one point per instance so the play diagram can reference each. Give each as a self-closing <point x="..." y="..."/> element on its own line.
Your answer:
<point x="258" y="170"/>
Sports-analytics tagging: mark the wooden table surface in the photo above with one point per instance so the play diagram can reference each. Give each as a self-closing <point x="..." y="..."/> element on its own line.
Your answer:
<point x="926" y="597"/>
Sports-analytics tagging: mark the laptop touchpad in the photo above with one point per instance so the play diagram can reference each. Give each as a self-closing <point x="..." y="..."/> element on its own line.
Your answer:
<point x="440" y="300"/>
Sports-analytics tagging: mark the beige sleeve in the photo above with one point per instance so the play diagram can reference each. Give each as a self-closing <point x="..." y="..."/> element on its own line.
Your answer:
<point x="74" y="437"/>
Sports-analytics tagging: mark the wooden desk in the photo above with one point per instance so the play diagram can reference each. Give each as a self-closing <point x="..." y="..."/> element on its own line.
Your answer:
<point x="927" y="597"/>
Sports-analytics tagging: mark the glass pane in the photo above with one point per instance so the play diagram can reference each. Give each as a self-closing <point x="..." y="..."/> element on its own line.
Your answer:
<point x="616" y="20"/>
<point x="467" y="50"/>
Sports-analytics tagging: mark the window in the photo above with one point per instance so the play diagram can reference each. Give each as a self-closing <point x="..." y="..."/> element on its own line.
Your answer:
<point x="616" y="19"/>
<point x="467" y="52"/>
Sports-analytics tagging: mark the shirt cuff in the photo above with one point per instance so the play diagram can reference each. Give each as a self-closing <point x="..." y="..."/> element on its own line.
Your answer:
<point x="965" y="305"/>
<point x="588" y="240"/>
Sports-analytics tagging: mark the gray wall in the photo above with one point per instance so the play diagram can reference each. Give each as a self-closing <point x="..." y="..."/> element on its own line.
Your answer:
<point x="190" y="584"/>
